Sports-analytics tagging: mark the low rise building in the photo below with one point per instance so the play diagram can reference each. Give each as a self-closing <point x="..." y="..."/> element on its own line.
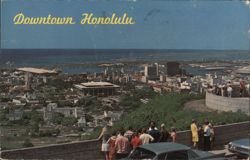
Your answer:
<point x="66" y="111"/>
<point x="15" y="115"/>
<point x="98" y="88"/>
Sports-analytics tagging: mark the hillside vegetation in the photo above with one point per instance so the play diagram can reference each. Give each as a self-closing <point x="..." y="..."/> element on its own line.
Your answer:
<point x="168" y="109"/>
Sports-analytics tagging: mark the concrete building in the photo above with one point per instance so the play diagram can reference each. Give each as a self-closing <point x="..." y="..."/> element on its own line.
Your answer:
<point x="15" y="115"/>
<point x="66" y="111"/>
<point x="144" y="79"/>
<point x="151" y="71"/>
<point x="173" y="68"/>
<point x="162" y="78"/>
<point x="98" y="88"/>
<point x="185" y="87"/>
<point x="82" y="122"/>
<point x="114" y="116"/>
<point x="42" y="73"/>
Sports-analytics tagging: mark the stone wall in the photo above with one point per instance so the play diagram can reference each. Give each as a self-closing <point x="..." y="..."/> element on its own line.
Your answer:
<point x="88" y="150"/>
<point x="228" y="104"/>
<point x="79" y="150"/>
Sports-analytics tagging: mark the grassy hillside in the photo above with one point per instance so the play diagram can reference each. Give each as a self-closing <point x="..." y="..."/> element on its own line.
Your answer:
<point x="168" y="109"/>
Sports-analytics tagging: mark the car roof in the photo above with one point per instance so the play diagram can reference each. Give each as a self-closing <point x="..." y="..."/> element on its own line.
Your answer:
<point x="164" y="147"/>
<point x="244" y="141"/>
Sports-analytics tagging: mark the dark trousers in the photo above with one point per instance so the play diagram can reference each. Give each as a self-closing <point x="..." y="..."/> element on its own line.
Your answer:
<point x="120" y="156"/>
<point x="207" y="143"/>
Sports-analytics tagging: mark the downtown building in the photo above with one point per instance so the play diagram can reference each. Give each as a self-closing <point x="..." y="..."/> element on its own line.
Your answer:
<point x="98" y="88"/>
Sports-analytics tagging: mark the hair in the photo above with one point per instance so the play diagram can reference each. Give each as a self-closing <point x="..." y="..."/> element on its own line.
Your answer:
<point x="135" y="134"/>
<point x="130" y="128"/>
<point x="139" y="130"/>
<point x="114" y="133"/>
<point x="122" y="132"/>
<point x="152" y="124"/>
<point x="206" y="122"/>
<point x="173" y="129"/>
<point x="144" y="130"/>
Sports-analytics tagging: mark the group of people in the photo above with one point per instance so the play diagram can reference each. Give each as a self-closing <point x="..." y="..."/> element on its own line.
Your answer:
<point x="207" y="132"/>
<point x="221" y="90"/>
<point x="119" y="144"/>
<point x="230" y="90"/>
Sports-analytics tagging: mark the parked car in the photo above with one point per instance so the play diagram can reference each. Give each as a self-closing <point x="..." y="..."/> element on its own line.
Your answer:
<point x="241" y="147"/>
<point x="170" y="151"/>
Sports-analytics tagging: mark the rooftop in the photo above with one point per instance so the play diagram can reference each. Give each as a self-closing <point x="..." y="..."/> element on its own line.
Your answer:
<point x="97" y="85"/>
<point x="37" y="70"/>
<point x="164" y="147"/>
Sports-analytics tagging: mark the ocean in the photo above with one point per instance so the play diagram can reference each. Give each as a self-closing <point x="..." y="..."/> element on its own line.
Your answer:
<point x="79" y="60"/>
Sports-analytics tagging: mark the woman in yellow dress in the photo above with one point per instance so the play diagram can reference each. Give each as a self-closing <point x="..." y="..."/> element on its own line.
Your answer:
<point x="194" y="130"/>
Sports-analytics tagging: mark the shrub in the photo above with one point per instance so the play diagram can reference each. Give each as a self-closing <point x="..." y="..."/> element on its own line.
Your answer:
<point x="49" y="132"/>
<point x="27" y="143"/>
<point x="57" y="118"/>
<point x="69" y="121"/>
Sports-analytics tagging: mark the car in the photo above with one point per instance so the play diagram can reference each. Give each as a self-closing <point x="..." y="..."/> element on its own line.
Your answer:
<point x="170" y="151"/>
<point x="240" y="147"/>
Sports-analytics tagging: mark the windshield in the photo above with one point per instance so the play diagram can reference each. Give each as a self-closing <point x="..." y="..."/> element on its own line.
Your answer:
<point x="140" y="153"/>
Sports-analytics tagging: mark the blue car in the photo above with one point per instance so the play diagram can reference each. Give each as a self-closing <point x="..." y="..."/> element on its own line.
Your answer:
<point x="240" y="147"/>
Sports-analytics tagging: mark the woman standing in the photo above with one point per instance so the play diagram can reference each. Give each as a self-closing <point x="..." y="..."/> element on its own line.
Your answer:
<point x="195" y="136"/>
<point x="104" y="136"/>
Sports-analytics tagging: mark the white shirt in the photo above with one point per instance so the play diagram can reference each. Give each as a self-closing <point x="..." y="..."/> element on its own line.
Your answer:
<point x="207" y="131"/>
<point x="146" y="138"/>
<point x="229" y="89"/>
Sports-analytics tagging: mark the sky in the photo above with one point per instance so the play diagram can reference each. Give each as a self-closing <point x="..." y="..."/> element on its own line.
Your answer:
<point x="160" y="24"/>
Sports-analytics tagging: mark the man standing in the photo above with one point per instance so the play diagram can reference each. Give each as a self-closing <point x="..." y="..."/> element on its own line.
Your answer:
<point x="207" y="134"/>
<point x="164" y="134"/>
<point x="194" y="131"/>
<point x="121" y="146"/>
<point x="154" y="132"/>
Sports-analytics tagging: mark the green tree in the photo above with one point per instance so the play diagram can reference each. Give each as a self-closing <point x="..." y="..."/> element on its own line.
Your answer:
<point x="4" y="88"/>
<point x="3" y="114"/>
<point x="65" y="103"/>
<point x="57" y="118"/>
<point x="4" y="99"/>
<point x="69" y="121"/>
<point x="35" y="127"/>
<point x="36" y="117"/>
